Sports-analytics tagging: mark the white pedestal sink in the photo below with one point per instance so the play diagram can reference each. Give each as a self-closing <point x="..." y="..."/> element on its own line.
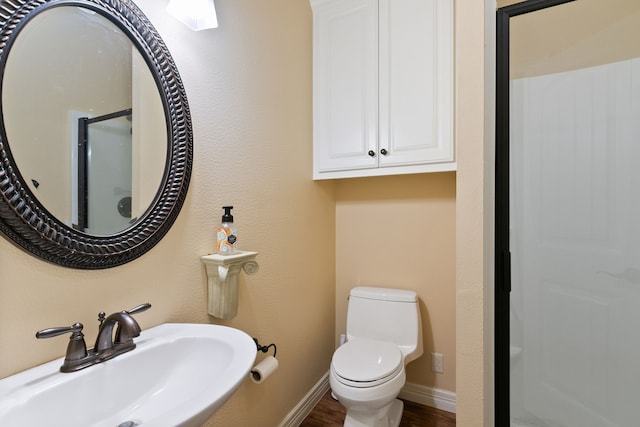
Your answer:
<point x="178" y="375"/>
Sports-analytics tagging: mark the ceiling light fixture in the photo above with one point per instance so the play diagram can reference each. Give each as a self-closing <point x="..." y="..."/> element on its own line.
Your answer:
<point x="196" y="14"/>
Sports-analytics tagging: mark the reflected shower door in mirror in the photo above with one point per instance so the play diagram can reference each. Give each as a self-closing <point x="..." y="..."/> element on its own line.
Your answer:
<point x="103" y="190"/>
<point x="70" y="63"/>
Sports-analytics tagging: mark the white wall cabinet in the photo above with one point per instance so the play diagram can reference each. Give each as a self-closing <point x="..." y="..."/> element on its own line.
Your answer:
<point x="383" y="87"/>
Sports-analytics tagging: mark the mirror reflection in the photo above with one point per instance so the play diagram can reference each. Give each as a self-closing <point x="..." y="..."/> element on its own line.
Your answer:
<point x="85" y="120"/>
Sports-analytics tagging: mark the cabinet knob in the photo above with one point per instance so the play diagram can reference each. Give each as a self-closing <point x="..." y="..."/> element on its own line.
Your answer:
<point x="372" y="153"/>
<point x="383" y="152"/>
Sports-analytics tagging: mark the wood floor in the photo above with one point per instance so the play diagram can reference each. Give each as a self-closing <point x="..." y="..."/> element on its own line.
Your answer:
<point x="330" y="413"/>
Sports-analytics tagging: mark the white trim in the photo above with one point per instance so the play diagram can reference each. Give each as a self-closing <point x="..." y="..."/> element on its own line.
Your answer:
<point x="306" y="405"/>
<point x="433" y="397"/>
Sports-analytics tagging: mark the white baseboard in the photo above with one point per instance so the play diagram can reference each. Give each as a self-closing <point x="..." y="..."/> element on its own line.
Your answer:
<point x="306" y="405"/>
<point x="433" y="397"/>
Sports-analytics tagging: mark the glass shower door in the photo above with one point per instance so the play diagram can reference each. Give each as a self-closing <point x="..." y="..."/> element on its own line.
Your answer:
<point x="574" y="215"/>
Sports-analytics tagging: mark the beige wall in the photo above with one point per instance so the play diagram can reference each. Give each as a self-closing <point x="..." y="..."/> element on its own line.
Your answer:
<point x="249" y="88"/>
<point x="475" y="74"/>
<point x="472" y="233"/>
<point x="553" y="40"/>
<point x="399" y="232"/>
<point x="473" y="259"/>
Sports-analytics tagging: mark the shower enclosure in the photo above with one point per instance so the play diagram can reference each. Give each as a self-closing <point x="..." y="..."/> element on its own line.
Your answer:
<point x="568" y="214"/>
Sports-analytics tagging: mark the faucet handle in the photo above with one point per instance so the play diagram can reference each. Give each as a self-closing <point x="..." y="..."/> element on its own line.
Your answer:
<point x="139" y="309"/>
<point x="75" y="329"/>
<point x="77" y="356"/>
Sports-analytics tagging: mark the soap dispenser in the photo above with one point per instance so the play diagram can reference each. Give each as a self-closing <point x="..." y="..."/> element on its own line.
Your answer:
<point x="226" y="234"/>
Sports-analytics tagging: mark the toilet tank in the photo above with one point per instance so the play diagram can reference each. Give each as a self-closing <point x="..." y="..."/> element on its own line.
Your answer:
<point x="391" y="315"/>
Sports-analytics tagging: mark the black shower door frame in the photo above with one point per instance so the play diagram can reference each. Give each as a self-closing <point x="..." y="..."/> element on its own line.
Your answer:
<point x="502" y="254"/>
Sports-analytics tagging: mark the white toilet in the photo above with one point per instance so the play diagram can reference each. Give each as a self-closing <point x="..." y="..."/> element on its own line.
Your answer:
<point x="367" y="372"/>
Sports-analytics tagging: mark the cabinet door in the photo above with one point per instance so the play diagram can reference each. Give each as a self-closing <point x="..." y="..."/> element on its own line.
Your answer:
<point x="416" y="89"/>
<point x="345" y="84"/>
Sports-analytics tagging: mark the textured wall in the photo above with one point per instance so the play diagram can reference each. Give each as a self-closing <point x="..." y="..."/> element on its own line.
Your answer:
<point x="552" y="40"/>
<point x="475" y="41"/>
<point x="399" y="232"/>
<point x="249" y="88"/>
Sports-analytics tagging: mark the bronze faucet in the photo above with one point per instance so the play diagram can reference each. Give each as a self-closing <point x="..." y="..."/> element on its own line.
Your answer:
<point x="106" y="347"/>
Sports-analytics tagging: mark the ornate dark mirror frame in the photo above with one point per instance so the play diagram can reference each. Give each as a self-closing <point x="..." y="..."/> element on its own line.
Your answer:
<point x="27" y="223"/>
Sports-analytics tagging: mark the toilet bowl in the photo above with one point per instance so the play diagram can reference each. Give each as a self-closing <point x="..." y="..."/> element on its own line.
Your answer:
<point x="368" y="371"/>
<point x="367" y="376"/>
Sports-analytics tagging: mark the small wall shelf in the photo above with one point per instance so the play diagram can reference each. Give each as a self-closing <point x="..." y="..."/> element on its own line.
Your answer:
<point x="222" y="280"/>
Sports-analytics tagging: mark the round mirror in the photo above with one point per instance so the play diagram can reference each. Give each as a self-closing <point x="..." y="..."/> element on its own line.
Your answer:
<point x="85" y="120"/>
<point x="95" y="132"/>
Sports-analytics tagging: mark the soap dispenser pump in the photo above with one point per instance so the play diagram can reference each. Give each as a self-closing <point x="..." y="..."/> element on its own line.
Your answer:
<point x="226" y="234"/>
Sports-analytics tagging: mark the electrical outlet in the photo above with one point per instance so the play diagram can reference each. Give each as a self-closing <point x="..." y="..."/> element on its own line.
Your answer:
<point x="437" y="363"/>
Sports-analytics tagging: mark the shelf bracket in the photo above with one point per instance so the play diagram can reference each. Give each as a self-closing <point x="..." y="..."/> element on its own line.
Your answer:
<point x="223" y="272"/>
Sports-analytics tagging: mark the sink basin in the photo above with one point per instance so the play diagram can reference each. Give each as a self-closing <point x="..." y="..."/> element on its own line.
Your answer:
<point x="178" y="375"/>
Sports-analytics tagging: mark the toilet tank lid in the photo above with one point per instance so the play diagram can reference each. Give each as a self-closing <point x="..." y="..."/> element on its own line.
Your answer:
<point x="384" y="294"/>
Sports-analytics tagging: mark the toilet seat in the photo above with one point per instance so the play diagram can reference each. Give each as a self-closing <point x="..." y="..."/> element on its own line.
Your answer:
<point x="366" y="363"/>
